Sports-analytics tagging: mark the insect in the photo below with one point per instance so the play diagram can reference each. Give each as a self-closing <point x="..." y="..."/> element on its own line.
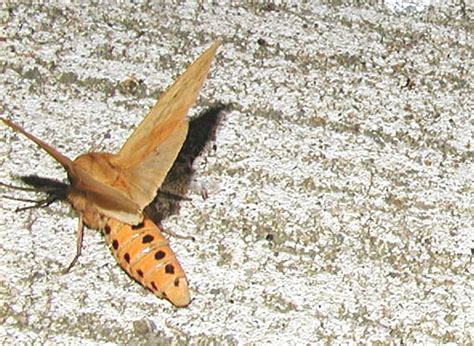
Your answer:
<point x="110" y="191"/>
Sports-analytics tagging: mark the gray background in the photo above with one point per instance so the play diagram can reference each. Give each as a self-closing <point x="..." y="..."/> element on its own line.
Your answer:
<point x="340" y="191"/>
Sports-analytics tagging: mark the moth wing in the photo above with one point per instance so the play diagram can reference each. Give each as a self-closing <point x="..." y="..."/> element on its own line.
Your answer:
<point x="63" y="160"/>
<point x="108" y="199"/>
<point x="148" y="154"/>
<point x="143" y="180"/>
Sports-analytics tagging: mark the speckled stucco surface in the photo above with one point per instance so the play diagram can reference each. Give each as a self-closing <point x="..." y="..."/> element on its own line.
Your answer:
<point x="340" y="187"/>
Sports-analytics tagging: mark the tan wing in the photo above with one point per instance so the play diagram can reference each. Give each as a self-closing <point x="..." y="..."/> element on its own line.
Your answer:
<point x="103" y="196"/>
<point x="150" y="151"/>
<point x="63" y="160"/>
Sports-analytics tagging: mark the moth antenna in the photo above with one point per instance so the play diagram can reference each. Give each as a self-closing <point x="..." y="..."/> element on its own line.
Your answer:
<point x="14" y="187"/>
<point x="55" y="190"/>
<point x="98" y="146"/>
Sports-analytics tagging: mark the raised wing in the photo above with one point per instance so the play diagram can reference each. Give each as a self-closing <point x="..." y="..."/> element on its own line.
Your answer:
<point x="63" y="160"/>
<point x="150" y="151"/>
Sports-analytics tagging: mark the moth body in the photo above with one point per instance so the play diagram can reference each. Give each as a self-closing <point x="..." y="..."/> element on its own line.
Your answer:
<point x="110" y="191"/>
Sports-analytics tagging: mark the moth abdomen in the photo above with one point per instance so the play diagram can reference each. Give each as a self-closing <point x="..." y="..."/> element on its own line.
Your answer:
<point x="144" y="253"/>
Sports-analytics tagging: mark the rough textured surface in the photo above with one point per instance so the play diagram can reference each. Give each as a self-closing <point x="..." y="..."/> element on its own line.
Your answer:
<point x="340" y="192"/>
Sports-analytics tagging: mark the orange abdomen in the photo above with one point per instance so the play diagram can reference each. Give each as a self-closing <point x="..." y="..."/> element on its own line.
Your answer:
<point x="144" y="253"/>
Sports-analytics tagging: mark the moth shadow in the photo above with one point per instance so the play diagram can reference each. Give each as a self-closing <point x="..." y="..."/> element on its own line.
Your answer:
<point x="202" y="131"/>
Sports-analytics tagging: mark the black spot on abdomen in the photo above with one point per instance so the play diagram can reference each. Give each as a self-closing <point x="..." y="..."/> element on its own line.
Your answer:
<point x="169" y="269"/>
<point x="159" y="255"/>
<point x="147" y="239"/>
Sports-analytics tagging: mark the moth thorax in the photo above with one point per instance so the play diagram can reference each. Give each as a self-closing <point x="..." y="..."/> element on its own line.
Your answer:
<point x="100" y="166"/>
<point x="90" y="215"/>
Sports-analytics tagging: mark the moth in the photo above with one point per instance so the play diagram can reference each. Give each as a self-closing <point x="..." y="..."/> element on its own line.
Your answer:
<point x="110" y="191"/>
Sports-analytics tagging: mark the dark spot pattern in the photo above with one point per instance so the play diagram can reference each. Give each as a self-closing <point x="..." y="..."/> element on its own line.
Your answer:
<point x="176" y="283"/>
<point x="147" y="239"/>
<point x="140" y="273"/>
<point x="127" y="257"/>
<point x="153" y="285"/>
<point x="159" y="255"/>
<point x="140" y="225"/>
<point x="115" y="244"/>
<point x="107" y="229"/>
<point x="169" y="269"/>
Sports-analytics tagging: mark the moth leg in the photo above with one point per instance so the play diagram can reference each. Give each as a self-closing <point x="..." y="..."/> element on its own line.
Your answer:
<point x="171" y="195"/>
<point x="80" y="237"/>
<point x="176" y="235"/>
<point x="150" y="212"/>
<point x="37" y="203"/>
